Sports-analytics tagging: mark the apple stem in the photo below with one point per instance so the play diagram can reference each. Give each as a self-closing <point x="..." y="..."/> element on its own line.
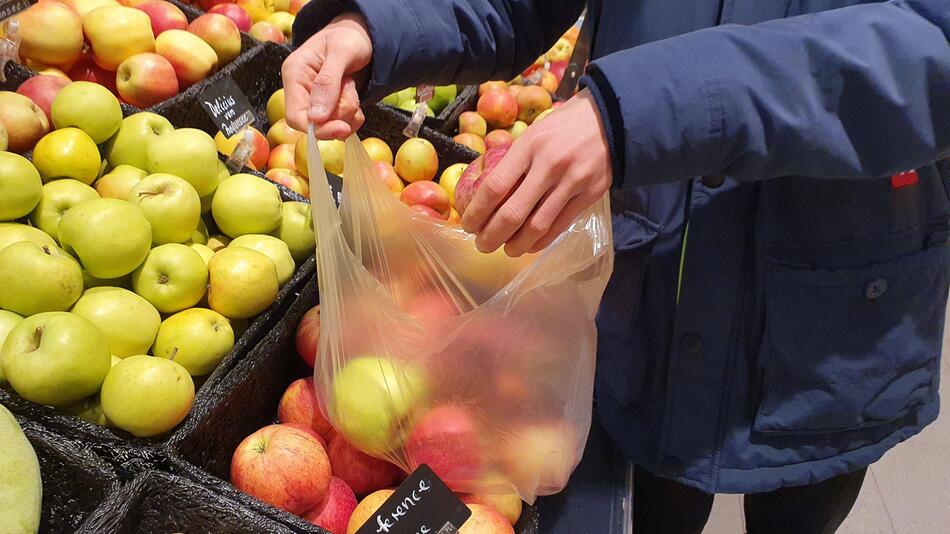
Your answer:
<point x="46" y="250"/>
<point x="173" y="354"/>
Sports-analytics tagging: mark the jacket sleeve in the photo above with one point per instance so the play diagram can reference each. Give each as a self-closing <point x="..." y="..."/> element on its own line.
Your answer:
<point x="861" y="91"/>
<point x="447" y="41"/>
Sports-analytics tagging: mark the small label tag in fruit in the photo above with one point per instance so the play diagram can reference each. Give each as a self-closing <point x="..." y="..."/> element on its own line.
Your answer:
<point x="8" y="8"/>
<point x="227" y="106"/>
<point x="424" y="93"/>
<point x="415" y="122"/>
<point x="423" y="504"/>
<point x="336" y="188"/>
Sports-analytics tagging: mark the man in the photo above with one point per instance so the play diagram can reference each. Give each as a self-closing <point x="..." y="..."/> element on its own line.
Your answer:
<point x="774" y="321"/>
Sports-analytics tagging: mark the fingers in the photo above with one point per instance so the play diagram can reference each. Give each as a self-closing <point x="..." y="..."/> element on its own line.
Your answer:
<point x="297" y="77"/>
<point x="539" y="222"/>
<point x="347" y="117"/>
<point x="326" y="88"/>
<point x="496" y="187"/>
<point x="513" y="212"/>
<point x="563" y="221"/>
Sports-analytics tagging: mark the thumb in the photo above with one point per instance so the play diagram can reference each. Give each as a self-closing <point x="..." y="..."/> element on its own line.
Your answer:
<point x="325" y="93"/>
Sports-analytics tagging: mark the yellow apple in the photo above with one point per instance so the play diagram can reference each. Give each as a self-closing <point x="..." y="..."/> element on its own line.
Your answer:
<point x="257" y="9"/>
<point x="378" y="150"/>
<point x="88" y="106"/>
<point x="192" y="58"/>
<point x="51" y="33"/>
<point x="117" y="33"/>
<point x="67" y="153"/>
<point x="242" y="283"/>
<point x="450" y="178"/>
<point x="275" y="107"/>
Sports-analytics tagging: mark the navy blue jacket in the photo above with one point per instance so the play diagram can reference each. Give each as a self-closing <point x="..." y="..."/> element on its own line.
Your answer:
<point x="776" y="312"/>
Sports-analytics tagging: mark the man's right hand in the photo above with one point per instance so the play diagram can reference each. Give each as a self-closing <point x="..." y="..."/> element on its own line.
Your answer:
<point x="320" y="78"/>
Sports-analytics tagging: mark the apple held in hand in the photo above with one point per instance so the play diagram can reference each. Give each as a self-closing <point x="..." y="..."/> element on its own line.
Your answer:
<point x="427" y="211"/>
<point x="173" y="277"/>
<point x="296" y="229"/>
<point x="448" y="440"/>
<point x="146" y="79"/>
<point x="192" y="58"/>
<point x="11" y="233"/>
<point x="24" y="122"/>
<point x="38" y="278"/>
<point x="299" y="404"/>
<point x="164" y="16"/>
<point x="362" y="472"/>
<point x="130" y="144"/>
<point x="128" y="321"/>
<point x="473" y="175"/>
<point x="261" y="148"/>
<point x="237" y="14"/>
<point x="308" y="336"/>
<point x="42" y="90"/>
<point x="243" y="282"/>
<point x="171" y="206"/>
<point x="273" y="248"/>
<point x="508" y="505"/>
<point x="50" y="33"/>
<point x="117" y="33"/>
<point x="57" y="197"/>
<point x="471" y="141"/>
<point x="427" y="194"/>
<point x="196" y="338"/>
<point x="111" y="237"/>
<point x="221" y="33"/>
<point x="119" y="182"/>
<point x="147" y="396"/>
<point x="246" y="204"/>
<point x="67" y="153"/>
<point x="20" y="186"/>
<point x="334" y="511"/>
<point x="472" y="122"/>
<point x="55" y="358"/>
<point x="282" y="466"/>
<point x="499" y="108"/>
<point x="187" y="153"/>
<point x="267" y="32"/>
<point x="417" y="160"/>
<point x="485" y="520"/>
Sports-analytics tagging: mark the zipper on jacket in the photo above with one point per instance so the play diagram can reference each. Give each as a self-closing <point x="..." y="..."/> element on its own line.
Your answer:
<point x="684" y="238"/>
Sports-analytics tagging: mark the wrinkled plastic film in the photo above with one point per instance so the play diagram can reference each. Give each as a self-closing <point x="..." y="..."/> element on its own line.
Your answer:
<point x="479" y="365"/>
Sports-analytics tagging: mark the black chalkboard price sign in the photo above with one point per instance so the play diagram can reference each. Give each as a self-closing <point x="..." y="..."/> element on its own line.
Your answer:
<point x="336" y="188"/>
<point x="423" y="504"/>
<point x="8" y="8"/>
<point x="227" y="106"/>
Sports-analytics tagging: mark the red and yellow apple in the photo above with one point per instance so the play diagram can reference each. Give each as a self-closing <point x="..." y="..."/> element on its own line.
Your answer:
<point x="236" y="13"/>
<point x="296" y="6"/>
<point x="260" y="153"/>
<point x="164" y="16"/>
<point x="86" y="70"/>
<point x="472" y="122"/>
<point x="146" y="79"/>
<point x="490" y="86"/>
<point x="266" y="31"/>
<point x="508" y="505"/>
<point x="192" y="58"/>
<point x="485" y="520"/>
<point x="378" y="150"/>
<point x="257" y="9"/>
<point x="450" y="178"/>
<point x="221" y="33"/>
<point x="289" y="179"/>
<point x="362" y="472"/>
<point x="448" y="440"/>
<point x="334" y="511"/>
<point x="499" y="108"/>
<point x="24" y="121"/>
<point x="299" y="404"/>
<point x="473" y="175"/>
<point x="548" y="81"/>
<point x="472" y="141"/>
<point x="367" y="508"/>
<point x="282" y="157"/>
<point x="498" y="138"/>
<point x="429" y="194"/>
<point x="42" y="90"/>
<point x="388" y="175"/>
<point x="417" y="160"/>
<point x="50" y="32"/>
<point x="284" y="22"/>
<point x="308" y="335"/>
<point x="281" y="133"/>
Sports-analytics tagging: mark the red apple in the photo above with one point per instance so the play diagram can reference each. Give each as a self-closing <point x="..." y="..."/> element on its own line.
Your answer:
<point x="265" y="31"/>
<point x="261" y="148"/>
<point x="490" y="86"/>
<point x="498" y="138"/>
<point x="234" y="12"/>
<point x="388" y="175"/>
<point x="221" y="33"/>
<point x="289" y="179"/>
<point x="485" y="520"/>
<point x="282" y="157"/>
<point x="308" y="335"/>
<point x="146" y="79"/>
<point x="87" y="71"/>
<point x="42" y="90"/>
<point x="316" y="435"/>
<point x="364" y="473"/>
<point x="472" y="122"/>
<point x="164" y="16"/>
<point x="429" y="307"/>
<point x="282" y="466"/>
<point x="499" y="108"/>
<point x="427" y="194"/>
<point x="334" y="511"/>
<point x="300" y="404"/>
<point x="474" y="174"/>
<point x="447" y="440"/>
<point x="472" y="141"/>
<point x="427" y="211"/>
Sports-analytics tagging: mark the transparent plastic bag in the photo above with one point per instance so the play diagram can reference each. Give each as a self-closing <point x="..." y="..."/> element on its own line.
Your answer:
<point x="479" y="365"/>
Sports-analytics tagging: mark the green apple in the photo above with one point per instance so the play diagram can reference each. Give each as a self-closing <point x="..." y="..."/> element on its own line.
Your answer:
<point x="273" y="248"/>
<point x="88" y="281"/>
<point x="111" y="237"/>
<point x="129" y="146"/>
<point x="15" y="232"/>
<point x="187" y="153"/>
<point x="38" y="278"/>
<point x="119" y="182"/>
<point x="4" y="139"/>
<point x="411" y="105"/>
<point x="170" y="204"/>
<point x="20" y="186"/>
<point x="246" y="204"/>
<point x="442" y="96"/>
<point x="129" y="322"/>
<point x="392" y="99"/>
<point x="202" y="251"/>
<point x="371" y="397"/>
<point x="200" y="235"/>
<point x="173" y="277"/>
<point x="88" y="106"/>
<point x="206" y="200"/>
<point x="147" y="396"/>
<point x="21" y="483"/>
<point x="296" y="229"/>
<point x="55" y="358"/>
<point x="57" y="197"/>
<point x="196" y="338"/>
<point x="88" y="409"/>
<point x="242" y="282"/>
<point x="8" y="320"/>
<point x="67" y="153"/>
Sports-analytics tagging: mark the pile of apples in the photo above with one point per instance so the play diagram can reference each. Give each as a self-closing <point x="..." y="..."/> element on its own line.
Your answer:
<point x="115" y="291"/>
<point x="264" y="20"/>
<point x="302" y="465"/>
<point x="442" y="96"/>
<point x="506" y="109"/>
<point x="144" y="51"/>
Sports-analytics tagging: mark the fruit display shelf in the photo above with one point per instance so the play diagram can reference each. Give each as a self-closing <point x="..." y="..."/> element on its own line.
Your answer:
<point x="447" y="121"/>
<point x="75" y="480"/>
<point x="159" y="503"/>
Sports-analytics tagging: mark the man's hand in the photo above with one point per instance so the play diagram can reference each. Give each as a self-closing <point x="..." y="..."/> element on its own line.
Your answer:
<point x="554" y="170"/>
<point x="327" y="67"/>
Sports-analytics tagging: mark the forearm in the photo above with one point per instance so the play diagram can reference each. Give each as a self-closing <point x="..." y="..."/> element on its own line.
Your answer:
<point x="447" y="41"/>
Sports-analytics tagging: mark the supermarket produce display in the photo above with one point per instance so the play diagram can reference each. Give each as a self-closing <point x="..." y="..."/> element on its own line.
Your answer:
<point x="159" y="314"/>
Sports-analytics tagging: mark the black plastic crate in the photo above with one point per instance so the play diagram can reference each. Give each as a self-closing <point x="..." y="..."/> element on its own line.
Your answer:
<point x="162" y="503"/>
<point x="75" y="480"/>
<point x="446" y="122"/>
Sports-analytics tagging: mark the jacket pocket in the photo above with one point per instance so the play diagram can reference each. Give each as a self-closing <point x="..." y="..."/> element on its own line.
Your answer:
<point x="851" y="348"/>
<point x="634" y="236"/>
